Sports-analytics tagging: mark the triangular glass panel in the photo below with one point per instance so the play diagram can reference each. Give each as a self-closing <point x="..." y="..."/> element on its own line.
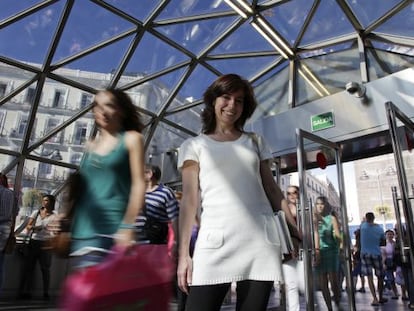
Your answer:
<point x="95" y="69"/>
<point x="140" y="11"/>
<point x="179" y="8"/>
<point x="246" y="67"/>
<point x="329" y="49"/>
<point x="59" y="103"/>
<point x="383" y="63"/>
<point x="6" y="160"/>
<point x="236" y="42"/>
<point x="189" y="118"/>
<point x="12" y="7"/>
<point x="153" y="55"/>
<point x="401" y="24"/>
<point x="288" y="18"/>
<point x="368" y="11"/>
<point x="14" y="119"/>
<point x="66" y="143"/>
<point x="152" y="94"/>
<point x="163" y="151"/>
<point x="32" y="33"/>
<point x="196" y="36"/>
<point x="194" y="87"/>
<point x="272" y="93"/>
<point x="12" y="78"/>
<point x="328" y="74"/>
<point x="328" y="22"/>
<point x="306" y="91"/>
<point x="88" y="25"/>
<point x="42" y="176"/>
<point x="166" y="138"/>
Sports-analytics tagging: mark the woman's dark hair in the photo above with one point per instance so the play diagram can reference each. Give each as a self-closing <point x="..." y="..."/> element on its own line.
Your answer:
<point x="3" y="180"/>
<point x="131" y="116"/>
<point x="389" y="230"/>
<point x="52" y="200"/>
<point x="227" y="84"/>
<point x="156" y="171"/>
<point x="327" y="207"/>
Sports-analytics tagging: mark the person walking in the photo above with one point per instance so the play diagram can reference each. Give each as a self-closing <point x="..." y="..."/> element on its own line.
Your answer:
<point x="229" y="169"/>
<point x="161" y="208"/>
<point x="372" y="237"/>
<point x="327" y="243"/>
<point x="39" y="231"/>
<point x="8" y="212"/>
<point x="293" y="264"/>
<point x="389" y="257"/>
<point x="356" y="262"/>
<point x="112" y="177"/>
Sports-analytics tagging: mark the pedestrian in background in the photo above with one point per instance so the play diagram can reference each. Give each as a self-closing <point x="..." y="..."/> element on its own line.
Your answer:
<point x="293" y="263"/>
<point x="160" y="210"/>
<point x="372" y="238"/>
<point x="8" y="212"/>
<point x="39" y="232"/>
<point x="327" y="243"/>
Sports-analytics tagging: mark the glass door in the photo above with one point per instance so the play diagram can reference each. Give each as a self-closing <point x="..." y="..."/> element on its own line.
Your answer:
<point x="402" y="137"/>
<point x="321" y="181"/>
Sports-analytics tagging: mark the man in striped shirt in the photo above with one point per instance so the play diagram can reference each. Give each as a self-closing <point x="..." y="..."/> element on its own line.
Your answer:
<point x="8" y="213"/>
<point x="161" y="208"/>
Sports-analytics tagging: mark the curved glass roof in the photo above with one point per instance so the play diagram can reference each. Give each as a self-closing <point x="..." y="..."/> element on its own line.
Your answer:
<point x="55" y="54"/>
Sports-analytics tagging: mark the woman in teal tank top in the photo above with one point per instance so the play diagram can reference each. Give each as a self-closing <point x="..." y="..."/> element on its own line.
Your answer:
<point x="112" y="175"/>
<point x="327" y="241"/>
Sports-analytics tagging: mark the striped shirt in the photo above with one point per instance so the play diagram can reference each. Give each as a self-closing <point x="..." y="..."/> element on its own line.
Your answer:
<point x="160" y="204"/>
<point x="8" y="208"/>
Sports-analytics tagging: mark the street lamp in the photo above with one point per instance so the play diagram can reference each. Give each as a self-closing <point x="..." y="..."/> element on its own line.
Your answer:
<point x="378" y="173"/>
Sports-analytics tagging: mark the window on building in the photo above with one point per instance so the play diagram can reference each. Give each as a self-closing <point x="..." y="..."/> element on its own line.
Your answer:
<point x="30" y="95"/>
<point x="22" y="125"/>
<point x="3" y="88"/>
<point x="50" y="125"/>
<point x="59" y="99"/>
<point x="86" y="99"/>
<point x="45" y="169"/>
<point x="80" y="133"/>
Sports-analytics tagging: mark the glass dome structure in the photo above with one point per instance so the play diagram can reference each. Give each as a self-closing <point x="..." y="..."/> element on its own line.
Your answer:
<point x="55" y="55"/>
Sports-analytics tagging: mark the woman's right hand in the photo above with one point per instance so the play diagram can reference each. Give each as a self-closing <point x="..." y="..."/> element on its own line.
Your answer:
<point x="184" y="273"/>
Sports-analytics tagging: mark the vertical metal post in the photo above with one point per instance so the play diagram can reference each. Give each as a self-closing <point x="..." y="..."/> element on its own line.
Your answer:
<point x="307" y="236"/>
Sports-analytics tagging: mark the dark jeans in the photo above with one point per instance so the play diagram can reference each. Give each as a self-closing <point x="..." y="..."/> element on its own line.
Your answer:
<point x="154" y="231"/>
<point x="36" y="253"/>
<point x="251" y="295"/>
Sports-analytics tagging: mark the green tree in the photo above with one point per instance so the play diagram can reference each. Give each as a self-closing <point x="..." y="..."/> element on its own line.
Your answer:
<point x="31" y="198"/>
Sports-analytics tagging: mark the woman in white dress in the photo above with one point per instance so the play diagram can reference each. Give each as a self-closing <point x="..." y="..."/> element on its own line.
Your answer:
<point x="228" y="171"/>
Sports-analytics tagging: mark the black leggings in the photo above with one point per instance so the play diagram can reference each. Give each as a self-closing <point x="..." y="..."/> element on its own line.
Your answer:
<point x="251" y="295"/>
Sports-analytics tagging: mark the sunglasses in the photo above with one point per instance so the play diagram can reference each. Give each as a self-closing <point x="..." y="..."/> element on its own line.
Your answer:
<point x="295" y="192"/>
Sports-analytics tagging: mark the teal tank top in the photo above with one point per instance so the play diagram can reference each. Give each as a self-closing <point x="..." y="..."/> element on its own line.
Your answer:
<point x="103" y="201"/>
<point x="326" y="235"/>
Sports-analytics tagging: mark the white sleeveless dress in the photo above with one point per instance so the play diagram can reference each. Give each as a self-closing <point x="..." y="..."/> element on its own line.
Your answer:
<point x="238" y="237"/>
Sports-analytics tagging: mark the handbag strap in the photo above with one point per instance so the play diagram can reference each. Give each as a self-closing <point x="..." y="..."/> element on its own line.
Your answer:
<point x="34" y="223"/>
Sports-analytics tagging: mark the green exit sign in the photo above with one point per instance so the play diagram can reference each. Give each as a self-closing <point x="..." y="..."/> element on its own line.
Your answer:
<point x="322" y="121"/>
